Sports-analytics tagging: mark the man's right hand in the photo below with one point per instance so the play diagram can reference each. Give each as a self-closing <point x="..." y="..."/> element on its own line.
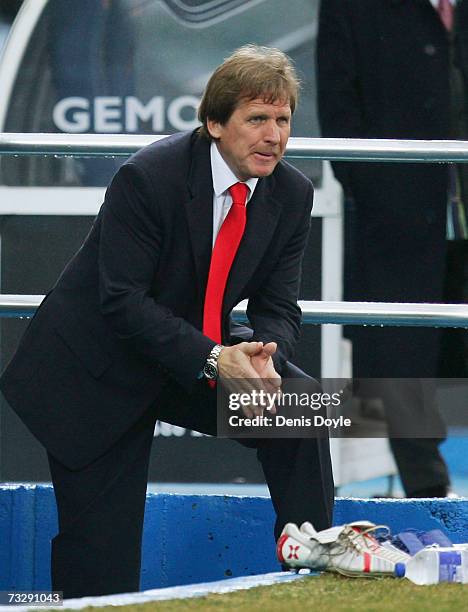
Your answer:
<point x="239" y="375"/>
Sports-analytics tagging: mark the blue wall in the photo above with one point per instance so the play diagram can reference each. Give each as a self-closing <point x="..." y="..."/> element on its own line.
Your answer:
<point x="195" y="538"/>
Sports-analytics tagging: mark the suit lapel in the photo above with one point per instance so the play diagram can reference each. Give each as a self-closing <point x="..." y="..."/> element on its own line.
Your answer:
<point x="199" y="209"/>
<point x="263" y="213"/>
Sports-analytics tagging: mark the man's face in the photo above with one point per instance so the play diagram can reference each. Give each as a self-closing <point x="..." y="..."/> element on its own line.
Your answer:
<point x="254" y="138"/>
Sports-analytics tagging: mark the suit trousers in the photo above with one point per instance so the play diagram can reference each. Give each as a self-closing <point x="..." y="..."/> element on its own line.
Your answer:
<point x="101" y="507"/>
<point x="415" y="430"/>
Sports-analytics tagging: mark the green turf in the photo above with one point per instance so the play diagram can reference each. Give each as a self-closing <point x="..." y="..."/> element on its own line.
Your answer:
<point x="327" y="593"/>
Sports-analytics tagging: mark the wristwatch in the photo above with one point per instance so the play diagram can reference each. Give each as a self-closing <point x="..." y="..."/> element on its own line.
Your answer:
<point x="210" y="369"/>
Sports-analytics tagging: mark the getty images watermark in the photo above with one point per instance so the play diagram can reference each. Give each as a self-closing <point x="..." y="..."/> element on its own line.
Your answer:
<point x="270" y="403"/>
<point x="368" y="408"/>
<point x="301" y="408"/>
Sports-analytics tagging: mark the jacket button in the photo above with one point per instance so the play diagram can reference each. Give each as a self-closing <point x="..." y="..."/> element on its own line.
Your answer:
<point x="430" y="50"/>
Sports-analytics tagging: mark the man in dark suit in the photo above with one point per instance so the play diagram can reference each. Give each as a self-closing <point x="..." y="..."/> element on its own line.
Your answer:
<point x="138" y="322"/>
<point x="398" y="69"/>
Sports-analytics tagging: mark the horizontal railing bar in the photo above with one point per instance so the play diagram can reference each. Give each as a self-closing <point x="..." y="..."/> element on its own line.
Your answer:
<point x="385" y="314"/>
<point x="350" y="149"/>
<point x="76" y="145"/>
<point x="314" y="312"/>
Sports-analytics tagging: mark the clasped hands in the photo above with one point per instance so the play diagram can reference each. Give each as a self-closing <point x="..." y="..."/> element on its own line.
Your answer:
<point x="248" y="367"/>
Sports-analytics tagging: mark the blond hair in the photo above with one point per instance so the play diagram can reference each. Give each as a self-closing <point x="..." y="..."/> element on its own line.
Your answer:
<point x="250" y="72"/>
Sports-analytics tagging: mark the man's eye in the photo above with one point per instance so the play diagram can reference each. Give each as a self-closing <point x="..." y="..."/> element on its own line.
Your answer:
<point x="257" y="119"/>
<point x="283" y="121"/>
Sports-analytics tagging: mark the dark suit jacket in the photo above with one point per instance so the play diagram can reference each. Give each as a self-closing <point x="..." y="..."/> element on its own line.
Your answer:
<point x="383" y="72"/>
<point x="125" y="315"/>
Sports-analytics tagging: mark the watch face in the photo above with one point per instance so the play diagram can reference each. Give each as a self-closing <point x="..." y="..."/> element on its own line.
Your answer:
<point x="210" y="371"/>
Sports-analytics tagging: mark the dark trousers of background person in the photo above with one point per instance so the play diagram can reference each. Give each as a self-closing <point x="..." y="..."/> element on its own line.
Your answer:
<point x="421" y="466"/>
<point x="101" y="507"/>
<point x="415" y="430"/>
<point x="453" y="358"/>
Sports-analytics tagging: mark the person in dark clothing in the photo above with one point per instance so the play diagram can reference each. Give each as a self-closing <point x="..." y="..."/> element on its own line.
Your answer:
<point x="398" y="69"/>
<point x="138" y="325"/>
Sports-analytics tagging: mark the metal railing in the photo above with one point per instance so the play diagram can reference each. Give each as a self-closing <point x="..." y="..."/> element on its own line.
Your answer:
<point x="346" y="149"/>
<point x="354" y="313"/>
<point x="314" y="312"/>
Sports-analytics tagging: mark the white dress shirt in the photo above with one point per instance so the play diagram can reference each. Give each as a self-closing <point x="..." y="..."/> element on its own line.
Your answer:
<point x="223" y="178"/>
<point x="435" y="3"/>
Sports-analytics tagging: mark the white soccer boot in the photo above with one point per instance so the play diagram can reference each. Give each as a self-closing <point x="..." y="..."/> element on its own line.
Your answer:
<point x="354" y="551"/>
<point x="349" y="549"/>
<point x="297" y="550"/>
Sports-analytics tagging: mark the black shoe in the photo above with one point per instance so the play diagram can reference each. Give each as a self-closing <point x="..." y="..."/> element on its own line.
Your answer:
<point x="437" y="491"/>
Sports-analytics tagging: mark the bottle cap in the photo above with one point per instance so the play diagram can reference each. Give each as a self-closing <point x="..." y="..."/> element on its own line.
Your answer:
<point x="400" y="570"/>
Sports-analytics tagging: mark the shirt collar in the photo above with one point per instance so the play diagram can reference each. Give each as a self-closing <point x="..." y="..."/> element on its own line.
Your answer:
<point x="223" y="176"/>
<point x="435" y="3"/>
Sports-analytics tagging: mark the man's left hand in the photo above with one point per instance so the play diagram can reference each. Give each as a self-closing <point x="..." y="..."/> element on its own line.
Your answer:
<point x="263" y="364"/>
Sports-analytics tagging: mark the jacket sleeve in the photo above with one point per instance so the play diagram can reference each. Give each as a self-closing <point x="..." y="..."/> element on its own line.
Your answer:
<point x="339" y="101"/>
<point x="130" y="242"/>
<point x="273" y="311"/>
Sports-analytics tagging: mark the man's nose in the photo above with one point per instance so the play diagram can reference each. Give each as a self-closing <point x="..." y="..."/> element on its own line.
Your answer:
<point x="272" y="132"/>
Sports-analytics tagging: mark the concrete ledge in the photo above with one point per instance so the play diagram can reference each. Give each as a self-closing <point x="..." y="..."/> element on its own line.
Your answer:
<point x="195" y="538"/>
<point x="187" y="591"/>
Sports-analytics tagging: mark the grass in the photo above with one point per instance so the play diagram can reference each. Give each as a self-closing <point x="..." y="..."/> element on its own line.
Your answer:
<point x="326" y="593"/>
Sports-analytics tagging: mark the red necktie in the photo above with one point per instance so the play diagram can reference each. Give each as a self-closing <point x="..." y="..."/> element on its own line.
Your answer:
<point x="224" y="251"/>
<point x="445" y="10"/>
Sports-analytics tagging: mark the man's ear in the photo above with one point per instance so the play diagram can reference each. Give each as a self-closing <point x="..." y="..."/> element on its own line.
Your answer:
<point x="214" y="128"/>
